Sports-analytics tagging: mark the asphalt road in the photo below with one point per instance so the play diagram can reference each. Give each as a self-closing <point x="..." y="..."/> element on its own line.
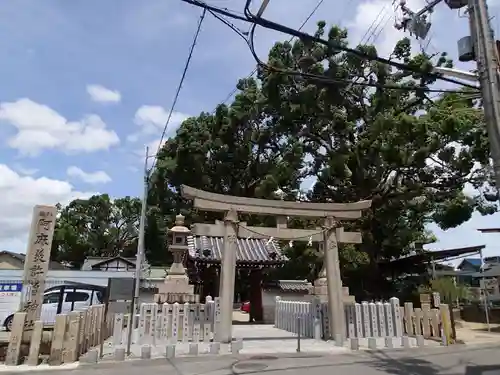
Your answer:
<point x="454" y="360"/>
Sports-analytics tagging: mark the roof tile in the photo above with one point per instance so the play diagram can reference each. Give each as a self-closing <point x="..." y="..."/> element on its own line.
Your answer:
<point x="249" y="250"/>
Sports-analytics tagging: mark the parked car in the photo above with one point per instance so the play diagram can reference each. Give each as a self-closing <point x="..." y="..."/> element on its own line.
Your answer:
<point x="65" y="298"/>
<point x="245" y="307"/>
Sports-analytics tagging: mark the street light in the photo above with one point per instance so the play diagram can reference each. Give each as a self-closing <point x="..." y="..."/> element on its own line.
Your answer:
<point x="456" y="73"/>
<point x="489" y="230"/>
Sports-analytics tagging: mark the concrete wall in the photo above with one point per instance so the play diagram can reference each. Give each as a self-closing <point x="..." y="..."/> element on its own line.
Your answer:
<point x="269" y="302"/>
<point x="89" y="277"/>
<point x="8" y="263"/>
<point x="477" y="315"/>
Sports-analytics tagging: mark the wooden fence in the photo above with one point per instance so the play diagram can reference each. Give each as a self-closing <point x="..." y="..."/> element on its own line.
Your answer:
<point x="364" y="320"/>
<point x="161" y="323"/>
<point x="73" y="334"/>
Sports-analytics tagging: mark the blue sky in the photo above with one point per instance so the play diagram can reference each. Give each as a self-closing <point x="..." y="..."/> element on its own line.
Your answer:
<point x="86" y="84"/>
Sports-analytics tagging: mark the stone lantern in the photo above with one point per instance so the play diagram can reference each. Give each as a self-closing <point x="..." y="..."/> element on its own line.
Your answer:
<point x="320" y="288"/>
<point x="176" y="286"/>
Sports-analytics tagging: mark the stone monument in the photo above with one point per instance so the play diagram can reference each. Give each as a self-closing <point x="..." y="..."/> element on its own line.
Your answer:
<point x="176" y="286"/>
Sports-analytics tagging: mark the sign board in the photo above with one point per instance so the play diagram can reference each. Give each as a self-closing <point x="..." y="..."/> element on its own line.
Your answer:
<point x="119" y="307"/>
<point x="37" y="261"/>
<point x="488" y="283"/>
<point x="425" y="298"/>
<point x="436" y="299"/>
<point x="120" y="289"/>
<point x="10" y="295"/>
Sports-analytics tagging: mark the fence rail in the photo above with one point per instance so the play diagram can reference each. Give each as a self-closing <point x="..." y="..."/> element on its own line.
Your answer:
<point x="364" y="320"/>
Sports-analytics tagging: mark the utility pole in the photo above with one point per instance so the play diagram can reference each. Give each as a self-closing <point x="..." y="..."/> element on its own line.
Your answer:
<point x="479" y="46"/>
<point x="140" y="243"/>
<point x="485" y="53"/>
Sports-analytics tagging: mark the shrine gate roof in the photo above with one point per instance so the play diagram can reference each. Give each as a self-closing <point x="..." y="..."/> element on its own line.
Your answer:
<point x="249" y="251"/>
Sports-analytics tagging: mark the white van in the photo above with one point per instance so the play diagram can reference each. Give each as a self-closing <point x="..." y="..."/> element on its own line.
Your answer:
<point x="65" y="298"/>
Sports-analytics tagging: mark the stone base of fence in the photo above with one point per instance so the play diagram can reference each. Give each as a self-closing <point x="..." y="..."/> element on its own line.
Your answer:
<point x="72" y="335"/>
<point x="169" y="350"/>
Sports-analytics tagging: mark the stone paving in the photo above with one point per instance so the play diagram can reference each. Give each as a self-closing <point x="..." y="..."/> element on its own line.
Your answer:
<point x="265" y="339"/>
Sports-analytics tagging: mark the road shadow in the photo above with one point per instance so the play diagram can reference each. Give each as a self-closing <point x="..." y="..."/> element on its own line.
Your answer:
<point x="485" y="329"/>
<point x="482" y="370"/>
<point x="409" y="365"/>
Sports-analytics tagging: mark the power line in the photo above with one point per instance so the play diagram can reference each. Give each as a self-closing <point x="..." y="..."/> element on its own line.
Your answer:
<point x="295" y="33"/>
<point x="372" y="26"/>
<point x="339" y="82"/>
<point x="290" y="40"/>
<point x="184" y="72"/>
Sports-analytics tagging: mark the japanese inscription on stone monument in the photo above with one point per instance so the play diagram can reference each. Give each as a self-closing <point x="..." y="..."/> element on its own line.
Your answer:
<point x="36" y="265"/>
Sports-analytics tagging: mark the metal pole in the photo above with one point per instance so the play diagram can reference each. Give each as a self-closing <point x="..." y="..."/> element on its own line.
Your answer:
<point x="298" y="334"/>
<point x="486" y="57"/>
<point x="140" y="243"/>
<point x="485" y="299"/>
<point x="262" y="8"/>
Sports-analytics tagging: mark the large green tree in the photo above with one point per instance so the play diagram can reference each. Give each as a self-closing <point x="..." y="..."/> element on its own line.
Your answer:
<point x="98" y="226"/>
<point x="411" y="154"/>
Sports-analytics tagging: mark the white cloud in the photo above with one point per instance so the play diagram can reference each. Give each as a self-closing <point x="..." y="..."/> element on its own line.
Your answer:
<point x="381" y="30"/>
<point x="102" y="94"/>
<point x="39" y="127"/>
<point x="152" y="118"/>
<point x="98" y="177"/>
<point x="19" y="195"/>
<point x="26" y="171"/>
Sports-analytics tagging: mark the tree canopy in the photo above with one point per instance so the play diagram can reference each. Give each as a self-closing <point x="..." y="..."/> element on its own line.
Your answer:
<point x="98" y="226"/>
<point x="355" y="128"/>
<point x="412" y="154"/>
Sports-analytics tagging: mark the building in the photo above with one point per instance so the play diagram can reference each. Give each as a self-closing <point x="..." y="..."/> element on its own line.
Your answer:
<point x="15" y="261"/>
<point x="469" y="265"/>
<point x="203" y="263"/>
<point x="117" y="264"/>
<point x="253" y="258"/>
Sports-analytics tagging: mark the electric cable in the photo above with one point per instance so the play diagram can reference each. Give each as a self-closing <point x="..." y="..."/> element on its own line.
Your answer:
<point x="183" y="76"/>
<point x="251" y="18"/>
<point x="275" y="26"/>
<point x="327" y="80"/>
<point x="376" y="36"/>
<point x="371" y="26"/>
<point x="290" y="40"/>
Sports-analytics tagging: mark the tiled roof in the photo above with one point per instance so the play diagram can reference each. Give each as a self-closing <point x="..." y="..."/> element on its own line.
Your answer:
<point x="290" y="286"/>
<point x="53" y="265"/>
<point x="295" y="285"/>
<point x="249" y="250"/>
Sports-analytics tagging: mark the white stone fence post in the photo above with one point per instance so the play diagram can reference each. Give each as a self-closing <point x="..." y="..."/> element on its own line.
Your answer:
<point x="363" y="320"/>
<point x="168" y="323"/>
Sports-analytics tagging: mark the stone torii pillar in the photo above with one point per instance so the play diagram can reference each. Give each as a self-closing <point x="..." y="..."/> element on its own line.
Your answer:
<point x="334" y="281"/>
<point x="228" y="271"/>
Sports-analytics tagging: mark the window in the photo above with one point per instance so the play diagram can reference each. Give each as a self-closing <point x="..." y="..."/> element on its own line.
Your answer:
<point x="51" y="298"/>
<point x="100" y="297"/>
<point x="76" y="297"/>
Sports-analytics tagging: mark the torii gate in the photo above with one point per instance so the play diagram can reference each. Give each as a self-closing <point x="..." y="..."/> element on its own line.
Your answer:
<point x="332" y="233"/>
